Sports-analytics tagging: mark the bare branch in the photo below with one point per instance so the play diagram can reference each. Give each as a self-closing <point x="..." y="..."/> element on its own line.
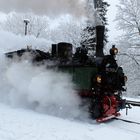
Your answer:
<point x="132" y="57"/>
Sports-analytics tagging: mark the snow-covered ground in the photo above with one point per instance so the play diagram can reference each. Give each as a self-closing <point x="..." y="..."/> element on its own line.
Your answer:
<point x="20" y="124"/>
<point x="32" y="108"/>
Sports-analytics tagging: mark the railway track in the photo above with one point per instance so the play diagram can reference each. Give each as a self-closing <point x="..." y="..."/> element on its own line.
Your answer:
<point x="127" y="121"/>
<point x="134" y="103"/>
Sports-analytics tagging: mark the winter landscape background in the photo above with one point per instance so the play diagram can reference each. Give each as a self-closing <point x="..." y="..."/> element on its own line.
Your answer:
<point x="31" y="107"/>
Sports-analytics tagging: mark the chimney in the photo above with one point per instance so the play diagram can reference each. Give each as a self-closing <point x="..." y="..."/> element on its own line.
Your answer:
<point x="100" y="40"/>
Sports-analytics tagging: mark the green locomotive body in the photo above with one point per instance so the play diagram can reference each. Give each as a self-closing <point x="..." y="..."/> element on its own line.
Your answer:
<point x="81" y="75"/>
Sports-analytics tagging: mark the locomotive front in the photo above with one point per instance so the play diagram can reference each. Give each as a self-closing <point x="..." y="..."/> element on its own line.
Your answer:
<point x="108" y="84"/>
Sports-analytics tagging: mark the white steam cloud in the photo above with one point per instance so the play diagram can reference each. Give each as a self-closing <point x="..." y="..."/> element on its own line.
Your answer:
<point x="52" y="7"/>
<point x="40" y="89"/>
<point x="36" y="88"/>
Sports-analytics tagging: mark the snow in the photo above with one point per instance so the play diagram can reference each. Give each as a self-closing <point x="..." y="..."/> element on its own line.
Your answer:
<point x="10" y="42"/>
<point x="133" y="99"/>
<point x="16" y="123"/>
<point x="22" y="119"/>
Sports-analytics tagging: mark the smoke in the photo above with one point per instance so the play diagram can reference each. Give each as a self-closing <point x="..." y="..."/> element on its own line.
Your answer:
<point x="37" y="88"/>
<point x="40" y="89"/>
<point x="46" y="7"/>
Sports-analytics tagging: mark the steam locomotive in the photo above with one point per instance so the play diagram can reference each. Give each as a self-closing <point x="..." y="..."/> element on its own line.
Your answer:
<point x="98" y="78"/>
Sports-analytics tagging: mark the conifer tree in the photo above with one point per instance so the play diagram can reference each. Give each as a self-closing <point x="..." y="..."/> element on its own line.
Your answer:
<point x="99" y="7"/>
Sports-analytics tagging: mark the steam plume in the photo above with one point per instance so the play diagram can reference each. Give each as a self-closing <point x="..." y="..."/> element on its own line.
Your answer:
<point x="39" y="89"/>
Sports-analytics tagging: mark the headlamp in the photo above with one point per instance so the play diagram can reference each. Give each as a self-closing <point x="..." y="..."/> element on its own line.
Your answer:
<point x="99" y="79"/>
<point x="113" y="50"/>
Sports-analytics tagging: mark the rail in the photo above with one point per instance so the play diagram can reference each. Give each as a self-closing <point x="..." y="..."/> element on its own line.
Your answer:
<point x="134" y="103"/>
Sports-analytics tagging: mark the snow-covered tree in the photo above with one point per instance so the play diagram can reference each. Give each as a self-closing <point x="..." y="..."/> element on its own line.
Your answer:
<point x="67" y="31"/>
<point x="64" y="28"/>
<point x="72" y="32"/>
<point x="128" y="18"/>
<point x="89" y="32"/>
<point x="128" y="59"/>
<point x="88" y="35"/>
<point x="15" y="23"/>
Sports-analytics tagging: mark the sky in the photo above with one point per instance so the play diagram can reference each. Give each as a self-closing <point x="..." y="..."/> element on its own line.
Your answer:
<point x="44" y="7"/>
